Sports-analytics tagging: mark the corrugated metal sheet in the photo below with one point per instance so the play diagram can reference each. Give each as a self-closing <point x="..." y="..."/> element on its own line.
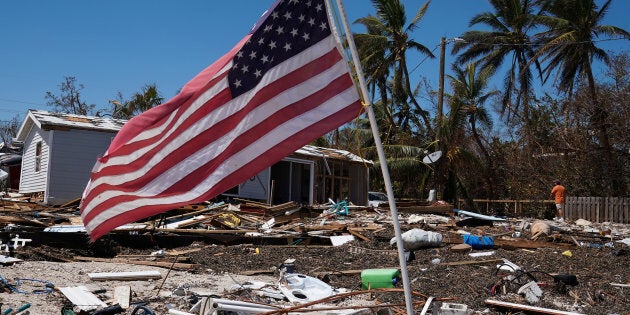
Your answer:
<point x="51" y="120"/>
<point x="311" y="150"/>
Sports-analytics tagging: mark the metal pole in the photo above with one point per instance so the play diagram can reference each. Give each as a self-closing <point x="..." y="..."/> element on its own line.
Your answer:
<point x="381" y="155"/>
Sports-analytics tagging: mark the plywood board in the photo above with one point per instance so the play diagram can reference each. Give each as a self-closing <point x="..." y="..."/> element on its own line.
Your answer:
<point x="82" y="297"/>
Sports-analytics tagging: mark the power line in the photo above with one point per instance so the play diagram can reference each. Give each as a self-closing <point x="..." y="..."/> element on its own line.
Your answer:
<point x="21" y="102"/>
<point x="555" y="44"/>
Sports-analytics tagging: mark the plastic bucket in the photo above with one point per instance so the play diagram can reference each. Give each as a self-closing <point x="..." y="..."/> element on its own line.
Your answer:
<point x="479" y="242"/>
<point x="379" y="278"/>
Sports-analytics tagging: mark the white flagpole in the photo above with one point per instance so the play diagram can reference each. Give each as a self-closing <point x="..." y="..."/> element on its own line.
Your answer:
<point x="381" y="156"/>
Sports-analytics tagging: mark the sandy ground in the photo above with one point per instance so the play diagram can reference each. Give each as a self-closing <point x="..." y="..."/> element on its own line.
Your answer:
<point x="158" y="294"/>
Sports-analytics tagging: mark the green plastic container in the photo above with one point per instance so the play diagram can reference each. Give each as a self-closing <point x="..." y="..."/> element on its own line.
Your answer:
<point x="379" y="278"/>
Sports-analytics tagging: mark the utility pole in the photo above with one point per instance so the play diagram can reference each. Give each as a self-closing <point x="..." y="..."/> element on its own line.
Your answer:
<point x="441" y="145"/>
<point x="440" y="103"/>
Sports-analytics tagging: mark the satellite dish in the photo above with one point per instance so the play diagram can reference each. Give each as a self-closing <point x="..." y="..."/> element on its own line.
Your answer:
<point x="432" y="157"/>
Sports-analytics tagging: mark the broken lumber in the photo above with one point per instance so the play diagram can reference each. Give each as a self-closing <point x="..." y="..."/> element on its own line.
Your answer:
<point x="355" y="233"/>
<point x="164" y="264"/>
<point x="472" y="262"/>
<point x="529" y="308"/>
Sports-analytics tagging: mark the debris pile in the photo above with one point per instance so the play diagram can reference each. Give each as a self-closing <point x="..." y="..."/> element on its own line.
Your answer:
<point x="290" y="258"/>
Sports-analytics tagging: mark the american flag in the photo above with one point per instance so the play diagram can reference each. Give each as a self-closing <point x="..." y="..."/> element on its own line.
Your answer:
<point x="283" y="85"/>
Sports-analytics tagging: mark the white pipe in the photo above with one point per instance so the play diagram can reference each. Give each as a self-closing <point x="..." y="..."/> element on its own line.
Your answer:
<point x="229" y="303"/>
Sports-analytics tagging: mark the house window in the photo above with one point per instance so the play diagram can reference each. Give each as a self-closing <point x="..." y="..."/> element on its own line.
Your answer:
<point x="38" y="156"/>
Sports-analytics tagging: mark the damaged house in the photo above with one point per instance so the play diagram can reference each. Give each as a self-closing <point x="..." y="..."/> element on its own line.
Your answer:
<point x="310" y="175"/>
<point x="60" y="150"/>
<point x="10" y="163"/>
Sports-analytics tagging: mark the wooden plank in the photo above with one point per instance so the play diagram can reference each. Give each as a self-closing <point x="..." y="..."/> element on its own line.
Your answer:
<point x="577" y="208"/>
<point x="202" y="231"/>
<point x="127" y="275"/>
<point x="164" y="264"/>
<point x="583" y="208"/>
<point x="472" y="262"/>
<point x="359" y="235"/>
<point x="529" y="308"/>
<point x="74" y="202"/>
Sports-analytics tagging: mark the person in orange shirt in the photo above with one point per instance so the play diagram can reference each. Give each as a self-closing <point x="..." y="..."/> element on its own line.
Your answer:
<point x="557" y="193"/>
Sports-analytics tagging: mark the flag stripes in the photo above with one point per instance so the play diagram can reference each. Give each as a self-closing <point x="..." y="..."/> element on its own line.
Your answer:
<point x="203" y="142"/>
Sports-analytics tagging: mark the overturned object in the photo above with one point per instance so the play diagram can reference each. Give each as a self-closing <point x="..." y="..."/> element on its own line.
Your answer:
<point x="419" y="238"/>
<point x="301" y="288"/>
<point x="478" y="242"/>
<point x="379" y="278"/>
<point x="540" y="228"/>
<point x="531" y="291"/>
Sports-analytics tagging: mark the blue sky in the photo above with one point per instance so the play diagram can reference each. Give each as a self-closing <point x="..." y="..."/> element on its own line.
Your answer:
<point x="120" y="45"/>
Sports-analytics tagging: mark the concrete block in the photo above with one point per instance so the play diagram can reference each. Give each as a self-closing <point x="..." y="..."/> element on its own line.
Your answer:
<point x="453" y="309"/>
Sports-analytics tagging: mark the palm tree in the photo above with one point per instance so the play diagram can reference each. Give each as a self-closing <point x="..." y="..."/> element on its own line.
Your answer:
<point x="569" y="47"/>
<point x="142" y="101"/>
<point x="507" y="40"/>
<point x="383" y="49"/>
<point x="469" y="95"/>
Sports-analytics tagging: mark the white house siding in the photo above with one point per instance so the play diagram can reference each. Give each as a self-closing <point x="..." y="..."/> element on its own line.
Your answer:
<point x="75" y="152"/>
<point x="30" y="180"/>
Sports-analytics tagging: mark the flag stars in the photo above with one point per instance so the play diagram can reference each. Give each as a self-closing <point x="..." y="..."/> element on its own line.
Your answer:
<point x="292" y="27"/>
<point x="237" y="83"/>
